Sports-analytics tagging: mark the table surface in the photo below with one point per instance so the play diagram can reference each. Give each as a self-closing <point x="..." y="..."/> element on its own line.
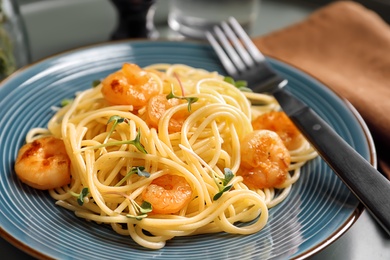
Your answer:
<point x="364" y="240"/>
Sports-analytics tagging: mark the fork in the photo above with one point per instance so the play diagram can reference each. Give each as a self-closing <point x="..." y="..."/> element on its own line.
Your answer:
<point x="243" y="61"/>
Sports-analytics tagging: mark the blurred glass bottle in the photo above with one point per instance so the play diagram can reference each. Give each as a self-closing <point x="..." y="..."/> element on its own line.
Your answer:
<point x="14" y="48"/>
<point x="135" y="19"/>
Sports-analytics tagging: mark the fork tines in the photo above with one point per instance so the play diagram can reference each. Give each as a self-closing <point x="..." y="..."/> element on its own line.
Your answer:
<point x="234" y="47"/>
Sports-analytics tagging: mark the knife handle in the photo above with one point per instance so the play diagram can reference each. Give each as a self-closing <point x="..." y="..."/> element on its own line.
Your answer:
<point x="365" y="182"/>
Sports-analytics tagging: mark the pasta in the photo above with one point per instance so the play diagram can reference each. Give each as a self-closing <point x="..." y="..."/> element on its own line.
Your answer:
<point x="189" y="138"/>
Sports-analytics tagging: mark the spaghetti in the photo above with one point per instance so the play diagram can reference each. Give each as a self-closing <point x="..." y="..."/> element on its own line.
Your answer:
<point x="168" y="166"/>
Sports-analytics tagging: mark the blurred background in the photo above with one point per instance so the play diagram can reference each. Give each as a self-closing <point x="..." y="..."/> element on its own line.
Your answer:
<point x="54" y="26"/>
<point x="57" y="25"/>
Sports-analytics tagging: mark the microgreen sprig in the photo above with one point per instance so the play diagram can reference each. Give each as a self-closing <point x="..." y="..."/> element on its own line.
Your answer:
<point x="190" y="100"/>
<point x="139" y="170"/>
<point x="222" y="183"/>
<point x="95" y="83"/>
<point x="136" y="142"/>
<point x="117" y="120"/>
<point x="80" y="196"/>
<point x="240" y="84"/>
<point x="141" y="210"/>
<point x="66" y="101"/>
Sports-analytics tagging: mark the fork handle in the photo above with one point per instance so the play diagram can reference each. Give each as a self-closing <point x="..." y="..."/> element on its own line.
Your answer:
<point x="365" y="182"/>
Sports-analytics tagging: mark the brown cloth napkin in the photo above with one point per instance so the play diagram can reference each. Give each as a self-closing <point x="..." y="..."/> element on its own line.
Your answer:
<point x="346" y="47"/>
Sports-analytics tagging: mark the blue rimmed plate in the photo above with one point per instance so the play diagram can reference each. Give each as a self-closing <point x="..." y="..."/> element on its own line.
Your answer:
<point x="318" y="210"/>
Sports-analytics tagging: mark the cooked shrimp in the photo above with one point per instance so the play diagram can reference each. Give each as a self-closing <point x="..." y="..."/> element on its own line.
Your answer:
<point x="156" y="108"/>
<point x="264" y="159"/>
<point x="279" y="122"/>
<point x="130" y="86"/>
<point x="168" y="194"/>
<point x="43" y="164"/>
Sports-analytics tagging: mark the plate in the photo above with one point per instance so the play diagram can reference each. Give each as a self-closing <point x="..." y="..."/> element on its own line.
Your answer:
<point x="319" y="209"/>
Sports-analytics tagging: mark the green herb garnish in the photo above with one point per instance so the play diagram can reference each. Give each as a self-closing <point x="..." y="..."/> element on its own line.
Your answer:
<point x="240" y="84"/>
<point x="141" y="211"/>
<point x="117" y="120"/>
<point x="96" y="83"/>
<point x="66" y="101"/>
<point x="190" y="100"/>
<point x="80" y="196"/>
<point x="222" y="183"/>
<point x="139" y="170"/>
<point x="136" y="142"/>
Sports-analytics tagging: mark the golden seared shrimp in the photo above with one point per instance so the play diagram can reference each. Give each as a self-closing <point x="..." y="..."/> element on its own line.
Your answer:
<point x="264" y="159"/>
<point x="168" y="194"/>
<point x="130" y="86"/>
<point x="279" y="122"/>
<point x="156" y="108"/>
<point x="43" y="164"/>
